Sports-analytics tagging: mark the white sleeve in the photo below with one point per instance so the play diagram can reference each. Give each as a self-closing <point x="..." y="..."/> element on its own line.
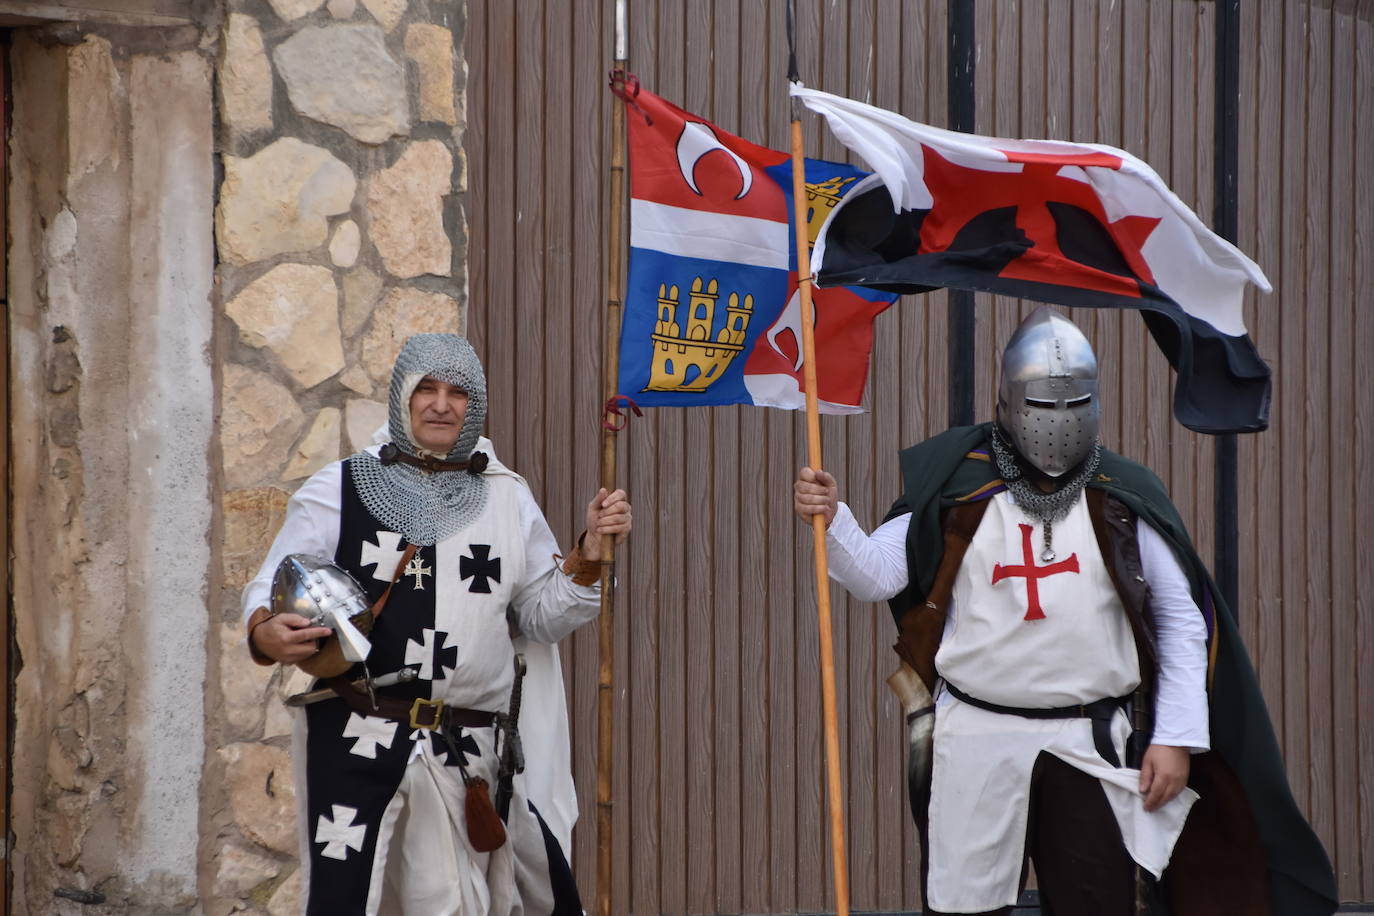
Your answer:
<point x="548" y="604"/>
<point x="1181" y="718"/>
<point x="869" y="567"/>
<point x="311" y="527"/>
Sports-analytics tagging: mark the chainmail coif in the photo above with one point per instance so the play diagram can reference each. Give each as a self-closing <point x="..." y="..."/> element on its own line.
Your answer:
<point x="1046" y="508"/>
<point x="427" y="507"/>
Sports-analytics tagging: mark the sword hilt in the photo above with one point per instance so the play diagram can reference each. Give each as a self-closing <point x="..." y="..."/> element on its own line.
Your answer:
<point x="510" y="754"/>
<point x="510" y="722"/>
<point x="517" y="689"/>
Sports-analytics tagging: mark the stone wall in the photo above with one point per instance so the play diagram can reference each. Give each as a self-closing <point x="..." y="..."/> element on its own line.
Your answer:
<point x="340" y="233"/>
<point x="113" y="408"/>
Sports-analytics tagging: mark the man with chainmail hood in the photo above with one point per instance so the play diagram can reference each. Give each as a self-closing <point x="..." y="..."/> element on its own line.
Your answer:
<point x="1093" y="706"/>
<point x="454" y="557"/>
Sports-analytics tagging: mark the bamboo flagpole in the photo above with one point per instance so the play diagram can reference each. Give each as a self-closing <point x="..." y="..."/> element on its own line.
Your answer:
<point x="813" y="453"/>
<point x="605" y="694"/>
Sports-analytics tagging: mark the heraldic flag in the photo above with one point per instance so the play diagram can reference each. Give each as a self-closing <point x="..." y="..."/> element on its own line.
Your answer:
<point x="712" y="314"/>
<point x="1072" y="223"/>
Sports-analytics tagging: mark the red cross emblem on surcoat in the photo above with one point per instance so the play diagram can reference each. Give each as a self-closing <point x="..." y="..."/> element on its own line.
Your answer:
<point x="1032" y="573"/>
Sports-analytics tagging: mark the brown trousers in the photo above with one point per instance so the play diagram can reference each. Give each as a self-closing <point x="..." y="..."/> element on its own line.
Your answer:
<point x="1072" y="837"/>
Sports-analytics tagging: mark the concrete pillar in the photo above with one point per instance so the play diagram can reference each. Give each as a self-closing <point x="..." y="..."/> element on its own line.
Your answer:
<point x="111" y="381"/>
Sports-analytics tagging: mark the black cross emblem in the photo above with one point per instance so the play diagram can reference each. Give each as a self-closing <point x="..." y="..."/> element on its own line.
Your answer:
<point x="455" y="749"/>
<point x="445" y="657"/>
<point x="479" y="568"/>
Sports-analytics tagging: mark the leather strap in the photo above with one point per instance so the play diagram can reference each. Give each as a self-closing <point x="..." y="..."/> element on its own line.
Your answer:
<point x="579" y="568"/>
<point x="260" y="615"/>
<point x="376" y="609"/>
<point x="390" y="454"/>
<point x="416" y="713"/>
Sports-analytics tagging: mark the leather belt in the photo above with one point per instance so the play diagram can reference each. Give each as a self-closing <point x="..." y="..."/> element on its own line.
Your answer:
<point x="433" y="715"/>
<point x="1100" y="711"/>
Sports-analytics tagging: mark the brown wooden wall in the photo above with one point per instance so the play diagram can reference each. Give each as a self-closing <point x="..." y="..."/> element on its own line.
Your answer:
<point x="718" y="772"/>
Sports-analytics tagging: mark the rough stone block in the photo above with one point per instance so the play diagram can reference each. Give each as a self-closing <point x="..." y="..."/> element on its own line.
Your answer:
<point x="289" y="897"/>
<point x="259" y="425"/>
<point x="362" y="419"/>
<point x="355" y="379"/>
<point x="387" y="12"/>
<point x="405" y="204"/>
<point x="404" y="312"/>
<point x="361" y="289"/>
<point x="344" y="246"/>
<point x="291" y="10"/>
<point x="431" y="48"/>
<point x="293" y="311"/>
<point x="342" y="74"/>
<point x="319" y="447"/>
<point x="279" y="200"/>
<point x="244" y="684"/>
<point x="251" y="519"/>
<point x="245" y="77"/>
<point x="262" y="794"/>
<point x="279" y="720"/>
<point x="240" y="870"/>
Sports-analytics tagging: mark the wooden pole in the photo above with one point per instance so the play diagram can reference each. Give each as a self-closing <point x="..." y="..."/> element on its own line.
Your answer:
<point x="605" y="683"/>
<point x="813" y="459"/>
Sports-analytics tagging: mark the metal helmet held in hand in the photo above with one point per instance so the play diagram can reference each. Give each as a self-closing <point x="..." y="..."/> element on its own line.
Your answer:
<point x="1047" y="400"/>
<point x="325" y="594"/>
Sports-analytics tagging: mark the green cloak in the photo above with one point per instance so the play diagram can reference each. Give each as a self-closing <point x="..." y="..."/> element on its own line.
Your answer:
<point x="956" y="466"/>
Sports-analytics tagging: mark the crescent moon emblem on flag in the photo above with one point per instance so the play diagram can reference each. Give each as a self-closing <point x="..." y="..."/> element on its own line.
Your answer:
<point x="696" y="140"/>
<point x="789" y="320"/>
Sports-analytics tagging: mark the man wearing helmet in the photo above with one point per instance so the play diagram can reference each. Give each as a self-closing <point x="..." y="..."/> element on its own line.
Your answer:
<point x="453" y="554"/>
<point x="1048" y="597"/>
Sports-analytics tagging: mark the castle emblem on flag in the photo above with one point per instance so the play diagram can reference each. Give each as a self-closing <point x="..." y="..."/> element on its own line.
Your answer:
<point x="690" y="358"/>
<point x="709" y="315"/>
<point x="821" y="198"/>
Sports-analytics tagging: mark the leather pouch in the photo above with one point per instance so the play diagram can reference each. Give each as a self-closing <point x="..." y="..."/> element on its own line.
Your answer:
<point x="486" y="833"/>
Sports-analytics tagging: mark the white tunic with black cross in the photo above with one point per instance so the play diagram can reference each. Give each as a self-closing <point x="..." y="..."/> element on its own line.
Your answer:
<point x="381" y="804"/>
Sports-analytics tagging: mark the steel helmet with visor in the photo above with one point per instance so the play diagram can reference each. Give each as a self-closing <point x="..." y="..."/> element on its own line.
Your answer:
<point x="1047" y="399"/>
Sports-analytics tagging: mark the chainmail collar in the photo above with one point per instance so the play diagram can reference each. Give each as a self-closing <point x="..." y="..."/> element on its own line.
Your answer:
<point x="424" y="507"/>
<point x="1046" y="508"/>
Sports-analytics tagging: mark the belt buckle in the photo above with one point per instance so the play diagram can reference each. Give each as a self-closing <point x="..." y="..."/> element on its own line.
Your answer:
<point x="419" y="705"/>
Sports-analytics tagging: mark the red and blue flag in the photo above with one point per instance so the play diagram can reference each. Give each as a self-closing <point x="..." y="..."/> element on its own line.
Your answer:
<point x="712" y="313"/>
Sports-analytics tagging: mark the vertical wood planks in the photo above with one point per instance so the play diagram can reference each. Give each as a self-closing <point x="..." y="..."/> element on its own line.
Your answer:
<point x="1316" y="413"/>
<point x="1344" y="719"/>
<point x="1267" y="231"/>
<point x="854" y="623"/>
<point x="1290" y="407"/>
<point x="668" y="64"/>
<point x="1358" y="451"/>
<point x="694" y="466"/>
<point x="649" y="599"/>
<point x="720" y="802"/>
<point x="727" y="539"/>
<point x="754" y="776"/>
<point x="887" y="799"/>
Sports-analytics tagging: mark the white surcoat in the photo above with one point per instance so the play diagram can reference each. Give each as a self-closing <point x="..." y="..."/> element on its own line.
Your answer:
<point x="1029" y="632"/>
<point x="1020" y="617"/>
